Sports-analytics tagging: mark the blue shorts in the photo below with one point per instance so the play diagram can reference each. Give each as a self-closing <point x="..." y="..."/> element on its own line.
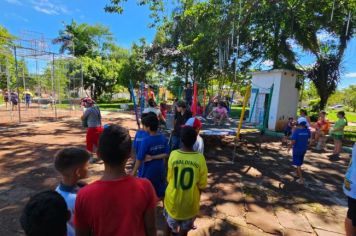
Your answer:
<point x="155" y="172"/>
<point x="175" y="225"/>
<point x="298" y="157"/>
<point x="175" y="142"/>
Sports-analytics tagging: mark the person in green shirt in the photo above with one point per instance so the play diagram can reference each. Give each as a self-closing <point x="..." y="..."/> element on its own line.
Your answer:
<point x="337" y="132"/>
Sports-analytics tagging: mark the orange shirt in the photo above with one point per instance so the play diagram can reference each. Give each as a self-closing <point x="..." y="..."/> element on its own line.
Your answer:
<point x="323" y="125"/>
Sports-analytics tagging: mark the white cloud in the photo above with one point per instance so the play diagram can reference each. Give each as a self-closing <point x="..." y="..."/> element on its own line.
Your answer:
<point x="350" y="75"/>
<point x="16" y="2"/>
<point x="46" y="10"/>
<point x="49" y="8"/>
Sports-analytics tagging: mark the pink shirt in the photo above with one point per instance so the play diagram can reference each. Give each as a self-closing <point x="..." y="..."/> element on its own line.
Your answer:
<point x="221" y="110"/>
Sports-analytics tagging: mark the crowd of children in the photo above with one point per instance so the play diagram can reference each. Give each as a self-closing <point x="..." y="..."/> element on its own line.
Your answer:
<point x="303" y="133"/>
<point x="120" y="203"/>
<point x="172" y="171"/>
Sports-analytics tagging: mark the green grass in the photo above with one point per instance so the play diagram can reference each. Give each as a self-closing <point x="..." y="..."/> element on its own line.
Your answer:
<point x="350" y="133"/>
<point x="332" y="116"/>
<point x="111" y="106"/>
<point x="236" y="111"/>
<point x="62" y="106"/>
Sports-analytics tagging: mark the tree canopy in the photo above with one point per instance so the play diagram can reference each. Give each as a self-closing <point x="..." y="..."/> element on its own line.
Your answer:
<point x="216" y="43"/>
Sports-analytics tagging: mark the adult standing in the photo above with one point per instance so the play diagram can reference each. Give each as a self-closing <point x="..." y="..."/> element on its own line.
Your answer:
<point x="27" y="97"/>
<point x="180" y="118"/>
<point x="6" y="98"/>
<point x="188" y="94"/>
<point x="14" y="98"/>
<point x="91" y="119"/>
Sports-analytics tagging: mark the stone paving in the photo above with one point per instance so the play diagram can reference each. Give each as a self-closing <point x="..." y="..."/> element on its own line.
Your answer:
<point x="257" y="195"/>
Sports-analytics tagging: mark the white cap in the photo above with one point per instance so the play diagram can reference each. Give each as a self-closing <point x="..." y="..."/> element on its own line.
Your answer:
<point x="303" y="119"/>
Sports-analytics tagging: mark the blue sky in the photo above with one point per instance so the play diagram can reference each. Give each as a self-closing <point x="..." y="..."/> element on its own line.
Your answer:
<point x="47" y="17"/>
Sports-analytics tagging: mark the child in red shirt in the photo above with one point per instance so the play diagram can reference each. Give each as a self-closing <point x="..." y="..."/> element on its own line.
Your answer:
<point x="163" y="109"/>
<point x="118" y="204"/>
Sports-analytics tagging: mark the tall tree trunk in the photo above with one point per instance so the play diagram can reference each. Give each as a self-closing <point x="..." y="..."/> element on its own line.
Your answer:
<point x="323" y="101"/>
<point x="322" y="88"/>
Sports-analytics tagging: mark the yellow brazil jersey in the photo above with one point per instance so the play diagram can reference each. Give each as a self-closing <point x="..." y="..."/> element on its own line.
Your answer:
<point x="187" y="175"/>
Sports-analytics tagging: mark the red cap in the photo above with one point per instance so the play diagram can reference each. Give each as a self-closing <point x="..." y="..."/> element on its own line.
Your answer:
<point x="194" y="122"/>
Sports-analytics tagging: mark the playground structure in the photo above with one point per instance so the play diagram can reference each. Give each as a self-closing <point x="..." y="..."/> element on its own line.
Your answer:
<point x="52" y="80"/>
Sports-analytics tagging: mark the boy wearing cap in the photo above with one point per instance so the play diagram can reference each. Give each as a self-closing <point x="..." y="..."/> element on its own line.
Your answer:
<point x="197" y="125"/>
<point x="300" y="138"/>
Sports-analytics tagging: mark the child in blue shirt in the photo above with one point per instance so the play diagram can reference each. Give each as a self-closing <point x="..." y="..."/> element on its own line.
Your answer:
<point x="151" y="154"/>
<point x="300" y="139"/>
<point x="141" y="134"/>
<point x="72" y="164"/>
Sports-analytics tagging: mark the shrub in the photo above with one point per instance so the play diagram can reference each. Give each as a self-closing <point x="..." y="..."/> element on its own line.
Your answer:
<point x="314" y="116"/>
<point x="314" y="105"/>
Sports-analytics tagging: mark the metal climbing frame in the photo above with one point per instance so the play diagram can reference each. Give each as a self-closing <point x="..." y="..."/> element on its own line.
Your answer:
<point x="40" y="84"/>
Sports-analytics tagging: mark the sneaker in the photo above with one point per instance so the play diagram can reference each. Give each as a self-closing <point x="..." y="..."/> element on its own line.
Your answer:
<point x="293" y="174"/>
<point x="335" y="157"/>
<point x="300" y="181"/>
<point x="93" y="160"/>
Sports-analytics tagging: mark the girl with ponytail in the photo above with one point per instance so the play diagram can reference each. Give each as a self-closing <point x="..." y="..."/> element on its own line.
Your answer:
<point x="337" y="132"/>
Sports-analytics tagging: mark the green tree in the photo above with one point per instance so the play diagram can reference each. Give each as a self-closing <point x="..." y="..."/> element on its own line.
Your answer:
<point x="137" y="67"/>
<point x="6" y="57"/>
<point x="350" y="97"/>
<point x="197" y="37"/>
<point x="337" y="98"/>
<point x="84" y="39"/>
<point x="99" y="75"/>
<point x="325" y="74"/>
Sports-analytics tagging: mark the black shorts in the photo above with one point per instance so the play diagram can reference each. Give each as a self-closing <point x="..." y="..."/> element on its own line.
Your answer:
<point x="287" y="133"/>
<point x="351" y="212"/>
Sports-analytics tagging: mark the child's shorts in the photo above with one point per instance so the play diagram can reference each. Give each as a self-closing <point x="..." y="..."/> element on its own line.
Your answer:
<point x="351" y="212"/>
<point x="92" y="139"/>
<point x="176" y="224"/>
<point x="298" y="157"/>
<point x="287" y="133"/>
<point x="337" y="136"/>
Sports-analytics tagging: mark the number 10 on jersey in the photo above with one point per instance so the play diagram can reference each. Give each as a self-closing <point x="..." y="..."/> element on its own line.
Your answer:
<point x="184" y="178"/>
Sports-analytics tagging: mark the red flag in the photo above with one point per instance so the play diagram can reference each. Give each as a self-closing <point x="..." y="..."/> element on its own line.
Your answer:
<point x="195" y="99"/>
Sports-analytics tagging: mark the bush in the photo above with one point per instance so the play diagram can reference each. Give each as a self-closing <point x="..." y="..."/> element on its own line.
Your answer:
<point x="119" y="100"/>
<point x="313" y="116"/>
<point x="314" y="105"/>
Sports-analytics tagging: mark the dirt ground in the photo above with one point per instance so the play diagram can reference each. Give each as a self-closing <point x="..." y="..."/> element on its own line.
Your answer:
<point x="36" y="112"/>
<point x="256" y="195"/>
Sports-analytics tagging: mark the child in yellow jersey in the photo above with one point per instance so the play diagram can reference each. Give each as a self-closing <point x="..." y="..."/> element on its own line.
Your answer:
<point x="187" y="176"/>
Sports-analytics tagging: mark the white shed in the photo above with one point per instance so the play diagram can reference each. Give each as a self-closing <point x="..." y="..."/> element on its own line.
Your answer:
<point x="285" y="96"/>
